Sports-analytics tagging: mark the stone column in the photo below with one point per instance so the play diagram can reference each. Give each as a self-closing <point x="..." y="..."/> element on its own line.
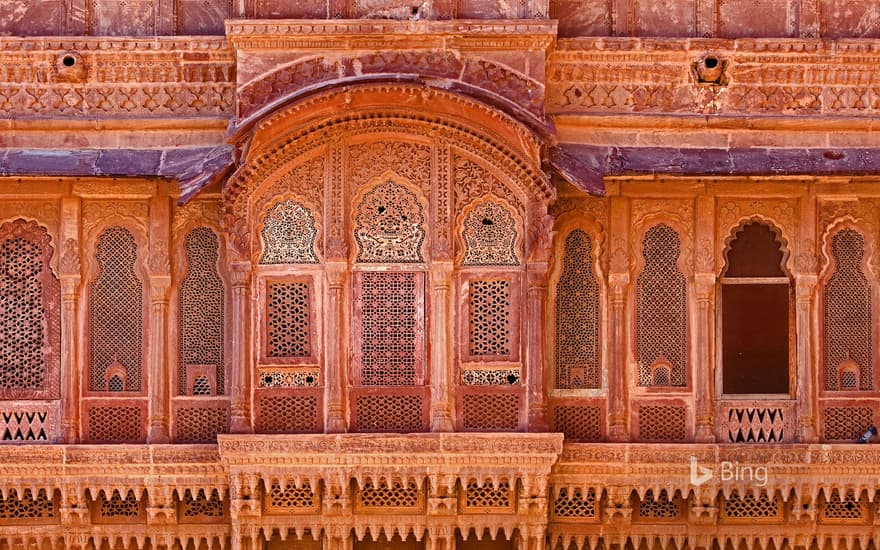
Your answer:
<point x="70" y="275"/>
<point x="704" y="286"/>
<point x="618" y="285"/>
<point x="159" y="266"/>
<point x="335" y="379"/>
<point x="536" y="275"/>
<point x="442" y="376"/>
<point x="240" y="278"/>
<point x="805" y="331"/>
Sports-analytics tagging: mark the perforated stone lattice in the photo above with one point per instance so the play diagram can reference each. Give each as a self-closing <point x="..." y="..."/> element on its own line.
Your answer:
<point x="116" y="311"/>
<point x="290" y="497"/>
<point x="755" y="425"/>
<point x="490" y="411"/>
<point x="201" y="386"/>
<point x="490" y="318"/>
<point x="850" y="508"/>
<point x="577" y="316"/>
<point x="846" y="423"/>
<point x="661" y="307"/>
<point x="26" y="506"/>
<point x="288" y="414"/>
<point x="848" y="307"/>
<point x="487" y="496"/>
<point x="117" y="506"/>
<point x="489" y="235"/>
<point x="201" y="425"/>
<point x="201" y="313"/>
<point x="395" y="495"/>
<point x="578" y="423"/>
<point x="300" y="378"/>
<point x="24" y="426"/>
<point x="490" y="377"/>
<point x="662" y="423"/>
<point x="289" y="234"/>
<point x="114" y="424"/>
<point x="389" y="225"/>
<point x="388" y="328"/>
<point x="288" y="320"/>
<point x="201" y="505"/>
<point x="751" y="507"/>
<point x="660" y="507"/>
<point x="578" y="505"/>
<point x="389" y="413"/>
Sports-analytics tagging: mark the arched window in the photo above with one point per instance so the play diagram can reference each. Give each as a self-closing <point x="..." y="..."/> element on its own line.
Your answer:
<point x="289" y="234"/>
<point x="489" y="236"/>
<point x="661" y="311"/>
<point x="577" y="316"/>
<point x="116" y="314"/>
<point x="389" y="225"/>
<point x="848" y="350"/>
<point x="756" y="313"/>
<point x="201" y="312"/>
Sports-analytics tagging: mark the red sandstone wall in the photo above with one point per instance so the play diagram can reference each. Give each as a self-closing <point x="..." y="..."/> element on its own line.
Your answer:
<point x="670" y="18"/>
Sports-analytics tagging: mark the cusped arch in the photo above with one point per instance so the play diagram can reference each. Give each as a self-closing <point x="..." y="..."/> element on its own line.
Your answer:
<point x="775" y="228"/>
<point x="288" y="232"/>
<point x="490" y="233"/>
<point x="389" y="223"/>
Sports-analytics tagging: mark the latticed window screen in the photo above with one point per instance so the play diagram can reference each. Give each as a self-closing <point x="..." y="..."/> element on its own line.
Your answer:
<point x="848" y="316"/>
<point x="389" y="225"/>
<point x="289" y="234"/>
<point x="201" y="309"/>
<point x="116" y="311"/>
<point x="577" y="316"/>
<point x="490" y="318"/>
<point x="30" y="330"/>
<point x="661" y="307"/>
<point x="489" y="236"/>
<point x="288" y="320"/>
<point x="389" y="328"/>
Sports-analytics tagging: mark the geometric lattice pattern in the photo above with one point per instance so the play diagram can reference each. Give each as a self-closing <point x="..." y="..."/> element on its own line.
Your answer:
<point x="287" y="320"/>
<point x="490" y="318"/>
<point x="754" y="425"/>
<point x="489" y="236"/>
<point x="30" y="298"/>
<point x="389" y="413"/>
<point x="493" y="377"/>
<point x="24" y="426"/>
<point x="577" y="316"/>
<point x="288" y="414"/>
<point x="662" y="423"/>
<point x="389" y="225"/>
<point x="751" y="507"/>
<point x="114" y="424"/>
<point x="118" y="507"/>
<point x="201" y="304"/>
<point x="289" y="234"/>
<point x="849" y="509"/>
<point x="201" y="425"/>
<point x="578" y="505"/>
<point x="202" y="506"/>
<point x="848" y="319"/>
<point x="393" y="495"/>
<point x="389" y="335"/>
<point x="299" y="378"/>
<point x="846" y="423"/>
<point x="578" y="423"/>
<point x="490" y="411"/>
<point x="290" y="497"/>
<point x="487" y="497"/>
<point x="661" y="308"/>
<point x="658" y="508"/>
<point x="26" y="507"/>
<point x="116" y="311"/>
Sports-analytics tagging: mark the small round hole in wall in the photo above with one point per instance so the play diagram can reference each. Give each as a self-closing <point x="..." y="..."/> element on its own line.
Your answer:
<point x="68" y="61"/>
<point x="711" y="62"/>
<point x="833" y="155"/>
<point x="512" y="378"/>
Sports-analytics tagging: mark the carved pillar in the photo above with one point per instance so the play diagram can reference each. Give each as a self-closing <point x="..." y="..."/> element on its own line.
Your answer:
<point x="160" y="283"/>
<point x="806" y="329"/>
<point x="335" y="379"/>
<point x="440" y="538"/>
<point x="240" y="277"/>
<point x="618" y="283"/>
<point x="537" y="297"/>
<point x="338" y="537"/>
<point x="441" y="353"/>
<point x="704" y="288"/>
<point x="70" y="277"/>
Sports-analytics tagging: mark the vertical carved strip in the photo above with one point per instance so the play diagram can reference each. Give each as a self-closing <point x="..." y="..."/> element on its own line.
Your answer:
<point x="704" y="286"/>
<point x="808" y="24"/>
<point x="240" y="277"/>
<point x="539" y="248"/>
<point x="706" y="18"/>
<point x="806" y="320"/>
<point x="334" y="369"/>
<point x="70" y="276"/>
<point x="441" y="202"/>
<point x="160" y="284"/>
<point x="441" y="353"/>
<point x="335" y="223"/>
<point x="618" y="282"/>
